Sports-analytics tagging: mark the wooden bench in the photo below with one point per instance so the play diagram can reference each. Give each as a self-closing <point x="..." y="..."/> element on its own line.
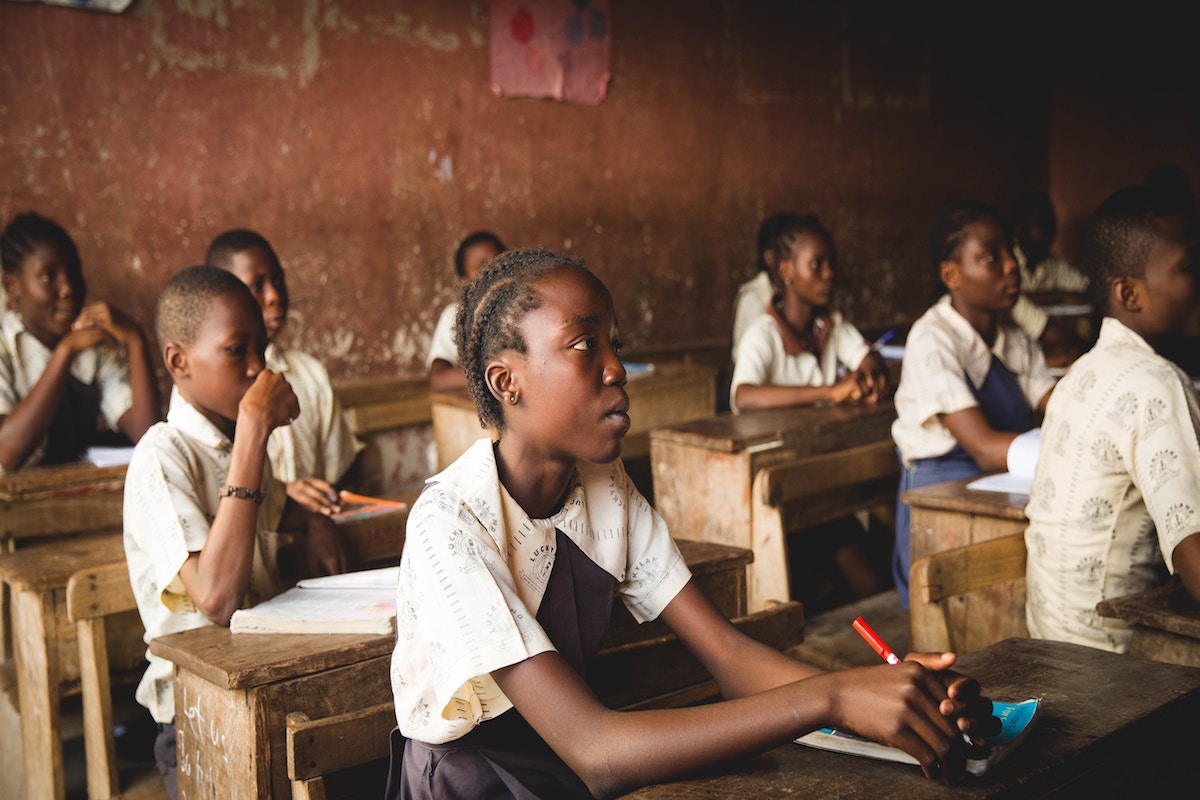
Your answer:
<point x="1165" y="620"/>
<point x="392" y="418"/>
<point x="94" y="595"/>
<point x="945" y="617"/>
<point x="808" y="491"/>
<point x="318" y="747"/>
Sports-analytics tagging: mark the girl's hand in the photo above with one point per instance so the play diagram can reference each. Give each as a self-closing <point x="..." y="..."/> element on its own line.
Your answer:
<point x="103" y="317"/>
<point x="902" y="706"/>
<point x="315" y="495"/>
<point x="874" y="379"/>
<point x="847" y="388"/>
<point x="970" y="710"/>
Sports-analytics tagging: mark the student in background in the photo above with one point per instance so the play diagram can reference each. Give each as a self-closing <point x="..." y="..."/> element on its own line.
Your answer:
<point x="313" y="454"/>
<point x="200" y="498"/>
<point x="1115" y="503"/>
<point x="754" y="296"/>
<point x="66" y="369"/>
<point x="1046" y="279"/>
<point x="791" y="355"/>
<point x="442" y="362"/>
<point x="512" y="562"/>
<point x="971" y="379"/>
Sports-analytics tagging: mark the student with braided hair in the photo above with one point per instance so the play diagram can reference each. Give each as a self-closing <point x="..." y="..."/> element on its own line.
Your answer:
<point x="516" y="552"/>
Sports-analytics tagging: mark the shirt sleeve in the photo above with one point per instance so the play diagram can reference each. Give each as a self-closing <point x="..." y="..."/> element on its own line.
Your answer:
<point x="754" y="363"/>
<point x="338" y="445"/>
<point x="1166" y="460"/>
<point x="936" y="383"/>
<point x="1029" y="317"/>
<point x="458" y="607"/>
<point x="442" y="344"/>
<point x="746" y="309"/>
<point x="656" y="569"/>
<point x="8" y="382"/>
<point x="1036" y="380"/>
<point x="112" y="377"/>
<point x="849" y="344"/>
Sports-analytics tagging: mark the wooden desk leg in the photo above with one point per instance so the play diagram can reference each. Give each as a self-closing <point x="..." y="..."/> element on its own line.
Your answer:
<point x="35" y="640"/>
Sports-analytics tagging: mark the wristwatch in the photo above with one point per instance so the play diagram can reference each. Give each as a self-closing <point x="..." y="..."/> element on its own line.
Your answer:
<point x="241" y="493"/>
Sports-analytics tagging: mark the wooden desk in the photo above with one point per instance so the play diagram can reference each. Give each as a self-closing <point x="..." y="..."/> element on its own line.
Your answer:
<point x="951" y="515"/>
<point x="704" y="470"/>
<point x="1166" y="623"/>
<point x="46" y="655"/>
<point x="672" y="393"/>
<point x="233" y="692"/>
<point x="1105" y="732"/>
<point x="64" y="498"/>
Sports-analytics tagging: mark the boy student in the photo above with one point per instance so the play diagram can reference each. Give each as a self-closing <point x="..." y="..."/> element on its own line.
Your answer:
<point x="315" y="452"/>
<point x="200" y="498"/>
<point x="1115" y="502"/>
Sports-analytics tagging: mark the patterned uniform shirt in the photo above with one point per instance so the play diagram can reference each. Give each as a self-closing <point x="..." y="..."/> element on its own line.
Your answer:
<point x="171" y="499"/>
<point x="941" y="354"/>
<point x="319" y="444"/>
<point x="475" y="568"/>
<point x="23" y="359"/>
<point x="752" y="300"/>
<point x="1117" y="487"/>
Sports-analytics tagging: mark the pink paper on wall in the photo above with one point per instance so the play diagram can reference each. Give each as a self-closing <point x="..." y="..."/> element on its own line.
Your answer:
<point x="551" y="48"/>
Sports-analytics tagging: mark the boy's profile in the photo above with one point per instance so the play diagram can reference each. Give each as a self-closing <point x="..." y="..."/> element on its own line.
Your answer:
<point x="1115" y="503"/>
<point x="200" y="498"/>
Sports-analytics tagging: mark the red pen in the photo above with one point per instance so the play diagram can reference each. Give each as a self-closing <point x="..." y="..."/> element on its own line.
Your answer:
<point x="876" y="643"/>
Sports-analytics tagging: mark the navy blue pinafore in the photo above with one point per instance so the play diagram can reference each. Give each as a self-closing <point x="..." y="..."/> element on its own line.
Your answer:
<point x="1004" y="406"/>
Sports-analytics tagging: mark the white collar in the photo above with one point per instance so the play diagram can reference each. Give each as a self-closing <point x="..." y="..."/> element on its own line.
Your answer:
<point x="184" y="416"/>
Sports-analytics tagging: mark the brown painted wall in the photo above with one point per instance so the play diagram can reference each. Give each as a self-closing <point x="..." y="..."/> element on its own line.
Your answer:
<point x="1126" y="99"/>
<point x="363" y="139"/>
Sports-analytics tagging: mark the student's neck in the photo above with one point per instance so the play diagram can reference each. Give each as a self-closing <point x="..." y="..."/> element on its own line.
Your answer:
<point x="797" y="312"/>
<point x="537" y="484"/>
<point x="984" y="322"/>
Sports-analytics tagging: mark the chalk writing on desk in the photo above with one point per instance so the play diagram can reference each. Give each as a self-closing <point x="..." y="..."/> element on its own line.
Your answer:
<point x="196" y="728"/>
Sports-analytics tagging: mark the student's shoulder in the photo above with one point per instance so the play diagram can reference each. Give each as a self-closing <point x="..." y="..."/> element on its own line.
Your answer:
<point x="163" y="446"/>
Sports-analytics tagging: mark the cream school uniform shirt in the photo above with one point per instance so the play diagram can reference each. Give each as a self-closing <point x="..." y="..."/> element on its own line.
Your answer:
<point x="1049" y="274"/>
<point x="319" y="443"/>
<point x="442" y="344"/>
<point x="23" y="359"/>
<point x="762" y="358"/>
<point x="941" y="354"/>
<point x="1117" y="488"/>
<point x="752" y="300"/>
<point x="474" y="571"/>
<point x="171" y="499"/>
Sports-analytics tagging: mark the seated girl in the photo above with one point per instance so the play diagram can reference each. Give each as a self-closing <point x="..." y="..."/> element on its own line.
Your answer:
<point x="971" y="380"/>
<point x="516" y="553"/>
<point x="792" y="354"/>
<point x="69" y="372"/>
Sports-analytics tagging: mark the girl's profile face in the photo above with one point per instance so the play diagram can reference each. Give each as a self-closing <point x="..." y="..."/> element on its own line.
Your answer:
<point x="810" y="270"/>
<point x="984" y="276"/>
<point x="262" y="274"/>
<point x="571" y="383"/>
<point x="47" y="289"/>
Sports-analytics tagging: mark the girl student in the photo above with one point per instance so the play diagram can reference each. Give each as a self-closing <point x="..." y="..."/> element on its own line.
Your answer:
<point x="68" y="371"/>
<point x="475" y="250"/>
<point x="791" y="354"/>
<point x="512" y="560"/>
<point x="971" y="380"/>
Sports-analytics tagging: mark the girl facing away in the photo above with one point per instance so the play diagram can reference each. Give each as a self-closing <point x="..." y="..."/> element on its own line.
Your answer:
<point x="68" y="371"/>
<point x="791" y="354"/>
<point x="515" y="553"/>
<point x="971" y="380"/>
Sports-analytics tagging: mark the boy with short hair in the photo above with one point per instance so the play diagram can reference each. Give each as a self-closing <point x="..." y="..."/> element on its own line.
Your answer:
<point x="200" y="499"/>
<point x="1115" y="503"/>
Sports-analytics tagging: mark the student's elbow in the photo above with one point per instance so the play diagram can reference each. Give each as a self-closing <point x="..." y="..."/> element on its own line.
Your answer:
<point x="217" y="606"/>
<point x="1186" y="558"/>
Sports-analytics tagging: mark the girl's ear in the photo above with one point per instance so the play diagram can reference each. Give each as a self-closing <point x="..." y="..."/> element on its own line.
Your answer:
<point x="500" y="380"/>
<point x="11" y="287"/>
<point x="949" y="273"/>
<point x="176" y="360"/>
<point x="1125" y="294"/>
<point x="787" y="271"/>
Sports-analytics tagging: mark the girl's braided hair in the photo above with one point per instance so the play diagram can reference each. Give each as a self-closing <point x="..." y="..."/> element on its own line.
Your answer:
<point x="490" y="311"/>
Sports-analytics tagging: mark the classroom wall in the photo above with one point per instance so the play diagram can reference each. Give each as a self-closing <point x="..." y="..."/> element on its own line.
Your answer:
<point x="1126" y="99"/>
<point x="363" y="139"/>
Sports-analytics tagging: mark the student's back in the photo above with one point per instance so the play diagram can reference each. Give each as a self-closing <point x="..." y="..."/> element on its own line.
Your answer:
<point x="1115" y="503"/>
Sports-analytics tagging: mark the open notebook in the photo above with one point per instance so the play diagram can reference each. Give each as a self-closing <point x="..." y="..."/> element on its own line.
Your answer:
<point x="1022" y="461"/>
<point x="355" y="602"/>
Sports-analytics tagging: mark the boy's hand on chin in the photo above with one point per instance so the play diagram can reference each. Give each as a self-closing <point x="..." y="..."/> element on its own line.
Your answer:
<point x="270" y="401"/>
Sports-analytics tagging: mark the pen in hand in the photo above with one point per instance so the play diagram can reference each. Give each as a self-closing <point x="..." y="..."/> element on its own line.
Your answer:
<point x="876" y="643"/>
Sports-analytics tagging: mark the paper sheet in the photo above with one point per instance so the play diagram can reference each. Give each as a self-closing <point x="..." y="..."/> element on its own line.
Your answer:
<point x="1022" y="461"/>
